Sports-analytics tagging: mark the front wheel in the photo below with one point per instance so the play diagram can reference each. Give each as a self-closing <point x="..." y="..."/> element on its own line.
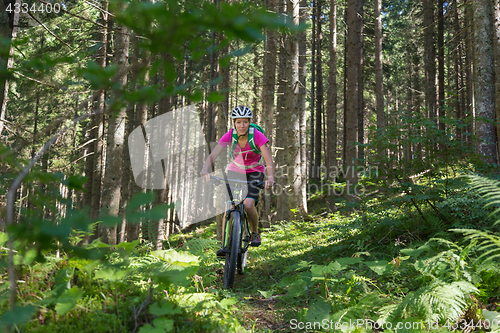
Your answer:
<point x="242" y="255"/>
<point x="232" y="256"/>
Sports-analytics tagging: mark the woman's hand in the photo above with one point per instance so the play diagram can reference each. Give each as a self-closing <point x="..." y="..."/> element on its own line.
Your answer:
<point x="205" y="175"/>
<point x="269" y="183"/>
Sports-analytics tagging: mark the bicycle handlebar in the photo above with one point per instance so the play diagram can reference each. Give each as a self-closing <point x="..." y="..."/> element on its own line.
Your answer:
<point x="217" y="181"/>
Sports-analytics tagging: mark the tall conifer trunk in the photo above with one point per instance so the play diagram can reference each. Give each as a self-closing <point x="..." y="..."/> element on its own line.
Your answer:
<point x="268" y="92"/>
<point x="379" y="74"/>
<point x="352" y="97"/>
<point x="496" y="44"/>
<point x="331" y="105"/>
<point x="429" y="60"/>
<point x="319" y="91"/>
<point x="8" y="31"/>
<point x="116" y="133"/>
<point x="440" y="43"/>
<point x="484" y="80"/>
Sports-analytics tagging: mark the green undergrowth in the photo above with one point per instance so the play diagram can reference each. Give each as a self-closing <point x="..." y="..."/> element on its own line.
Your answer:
<point x="131" y="290"/>
<point x="419" y="259"/>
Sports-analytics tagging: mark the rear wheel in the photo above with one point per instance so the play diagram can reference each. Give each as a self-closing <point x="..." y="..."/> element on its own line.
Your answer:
<point x="233" y="244"/>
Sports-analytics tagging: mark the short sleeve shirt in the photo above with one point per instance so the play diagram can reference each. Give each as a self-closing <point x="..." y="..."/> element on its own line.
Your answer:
<point x="245" y="156"/>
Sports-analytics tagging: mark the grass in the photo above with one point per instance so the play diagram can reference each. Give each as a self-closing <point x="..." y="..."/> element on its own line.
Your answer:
<point x="279" y="284"/>
<point x="384" y="262"/>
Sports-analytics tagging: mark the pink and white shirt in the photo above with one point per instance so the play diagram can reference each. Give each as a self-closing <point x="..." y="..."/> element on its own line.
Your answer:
<point x="245" y="156"/>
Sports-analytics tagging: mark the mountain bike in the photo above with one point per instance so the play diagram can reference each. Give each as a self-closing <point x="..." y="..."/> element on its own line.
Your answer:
<point x="236" y="233"/>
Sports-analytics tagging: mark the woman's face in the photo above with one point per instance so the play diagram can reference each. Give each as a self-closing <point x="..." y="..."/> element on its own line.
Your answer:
<point x="242" y="125"/>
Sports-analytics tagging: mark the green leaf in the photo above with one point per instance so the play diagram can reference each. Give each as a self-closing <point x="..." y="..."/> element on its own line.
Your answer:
<point x="140" y="199"/>
<point x="177" y="275"/>
<point x="415" y="252"/>
<point x="128" y="246"/>
<point x="229" y="301"/>
<point x="266" y="294"/>
<point x="197" y="96"/>
<point x="110" y="274"/>
<point x="348" y="261"/>
<point x="180" y="258"/>
<point x="164" y="309"/>
<point x="169" y="71"/>
<point x="109" y="220"/>
<point x="67" y="300"/>
<point x="215" y="97"/>
<point x="164" y="324"/>
<point x="75" y="182"/>
<point x="318" y="311"/>
<point x="492" y="317"/>
<point x="17" y="316"/>
<point x="378" y="266"/>
<point x="3" y="238"/>
<point x="148" y="328"/>
<point x="297" y="288"/>
<point x="321" y="270"/>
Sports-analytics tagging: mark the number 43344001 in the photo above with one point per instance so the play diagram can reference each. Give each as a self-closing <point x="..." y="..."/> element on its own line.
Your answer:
<point x="33" y="8"/>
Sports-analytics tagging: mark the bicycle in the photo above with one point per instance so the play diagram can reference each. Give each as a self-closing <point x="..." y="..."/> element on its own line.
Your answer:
<point x="236" y="233"/>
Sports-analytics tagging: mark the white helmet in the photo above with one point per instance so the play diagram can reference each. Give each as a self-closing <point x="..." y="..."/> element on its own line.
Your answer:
<point x="241" y="112"/>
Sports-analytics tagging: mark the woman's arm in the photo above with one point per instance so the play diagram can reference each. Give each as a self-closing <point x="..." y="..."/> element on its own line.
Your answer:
<point x="266" y="153"/>
<point x="210" y="160"/>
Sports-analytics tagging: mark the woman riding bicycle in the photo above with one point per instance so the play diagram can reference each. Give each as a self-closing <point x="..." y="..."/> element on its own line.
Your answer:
<point x="245" y="162"/>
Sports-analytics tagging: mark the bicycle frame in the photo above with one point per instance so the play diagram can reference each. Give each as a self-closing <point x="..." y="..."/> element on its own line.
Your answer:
<point x="237" y="240"/>
<point x="236" y="205"/>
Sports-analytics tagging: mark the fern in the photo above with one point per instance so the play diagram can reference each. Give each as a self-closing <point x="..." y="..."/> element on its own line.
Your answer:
<point x="436" y="302"/>
<point x="489" y="190"/>
<point x="487" y="243"/>
<point x="199" y="246"/>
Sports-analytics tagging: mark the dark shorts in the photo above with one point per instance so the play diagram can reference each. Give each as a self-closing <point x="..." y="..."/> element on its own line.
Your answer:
<point x="253" y="192"/>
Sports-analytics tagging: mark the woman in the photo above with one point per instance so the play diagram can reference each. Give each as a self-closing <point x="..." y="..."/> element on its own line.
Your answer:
<point x="246" y="162"/>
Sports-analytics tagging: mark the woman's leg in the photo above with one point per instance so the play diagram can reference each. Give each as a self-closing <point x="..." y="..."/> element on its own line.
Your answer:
<point x="251" y="211"/>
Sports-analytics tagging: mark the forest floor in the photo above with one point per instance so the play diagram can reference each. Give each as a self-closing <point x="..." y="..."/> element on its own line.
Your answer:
<point x="262" y="306"/>
<point x="292" y="277"/>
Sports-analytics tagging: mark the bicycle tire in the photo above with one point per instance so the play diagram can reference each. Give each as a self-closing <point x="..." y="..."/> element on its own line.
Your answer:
<point x="232" y="255"/>
<point x="242" y="255"/>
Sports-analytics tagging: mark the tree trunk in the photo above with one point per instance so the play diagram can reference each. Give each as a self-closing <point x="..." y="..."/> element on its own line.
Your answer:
<point x="281" y="119"/>
<point x="361" y="85"/>
<point x="440" y="42"/>
<point x="98" y="105"/>
<point x="8" y="31"/>
<point x="222" y="119"/>
<point x="469" y="72"/>
<point x="296" y="198"/>
<point x="312" y="166"/>
<point x="496" y="45"/>
<point x="319" y="91"/>
<point x="331" y="104"/>
<point x="430" y="60"/>
<point x="352" y="97"/>
<point x="457" y="66"/>
<point x="484" y="80"/>
<point x="268" y="92"/>
<point x="379" y="73"/>
<point x="116" y="133"/>
<point x="301" y="103"/>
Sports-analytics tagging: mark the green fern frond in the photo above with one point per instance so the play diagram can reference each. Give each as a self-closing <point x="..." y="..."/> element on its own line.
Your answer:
<point x="447" y="243"/>
<point x="486" y="242"/>
<point x="489" y="190"/>
<point x="433" y="302"/>
<point x="199" y="246"/>
<point x="449" y="301"/>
